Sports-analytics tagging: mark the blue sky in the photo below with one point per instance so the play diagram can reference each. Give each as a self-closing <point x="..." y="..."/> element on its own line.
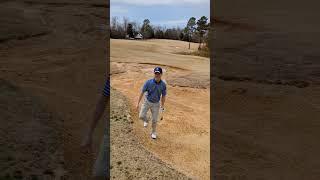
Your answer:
<point x="168" y="13"/>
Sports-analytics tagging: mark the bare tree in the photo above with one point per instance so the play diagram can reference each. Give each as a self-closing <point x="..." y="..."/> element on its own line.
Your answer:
<point x="125" y="23"/>
<point x="117" y="29"/>
<point x="114" y="22"/>
<point x="134" y="28"/>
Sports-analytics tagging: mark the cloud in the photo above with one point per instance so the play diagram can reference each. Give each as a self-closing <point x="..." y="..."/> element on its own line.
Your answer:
<point x="118" y="10"/>
<point x="172" y="22"/>
<point x="160" y="2"/>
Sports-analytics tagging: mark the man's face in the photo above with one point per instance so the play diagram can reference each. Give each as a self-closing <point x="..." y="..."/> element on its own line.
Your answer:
<point x="157" y="76"/>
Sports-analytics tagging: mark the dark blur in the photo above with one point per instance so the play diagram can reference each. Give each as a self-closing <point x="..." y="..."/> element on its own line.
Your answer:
<point x="265" y="89"/>
<point x="53" y="64"/>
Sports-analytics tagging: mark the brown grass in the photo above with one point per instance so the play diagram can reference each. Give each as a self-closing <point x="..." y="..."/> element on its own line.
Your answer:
<point x="204" y="52"/>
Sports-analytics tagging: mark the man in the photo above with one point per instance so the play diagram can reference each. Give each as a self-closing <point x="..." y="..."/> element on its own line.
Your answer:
<point x="101" y="169"/>
<point x="155" y="89"/>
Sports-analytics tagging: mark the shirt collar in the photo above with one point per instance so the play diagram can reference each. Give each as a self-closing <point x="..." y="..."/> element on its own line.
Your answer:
<point x="154" y="80"/>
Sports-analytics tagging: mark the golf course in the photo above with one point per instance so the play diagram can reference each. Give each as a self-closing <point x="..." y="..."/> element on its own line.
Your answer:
<point x="184" y="133"/>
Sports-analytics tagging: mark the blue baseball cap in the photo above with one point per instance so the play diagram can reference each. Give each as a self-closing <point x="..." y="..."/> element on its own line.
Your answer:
<point x="158" y="70"/>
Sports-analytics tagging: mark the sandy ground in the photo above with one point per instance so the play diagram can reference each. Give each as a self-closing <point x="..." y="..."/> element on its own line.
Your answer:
<point x="51" y="77"/>
<point x="129" y="158"/>
<point x="184" y="133"/>
<point x="266" y="90"/>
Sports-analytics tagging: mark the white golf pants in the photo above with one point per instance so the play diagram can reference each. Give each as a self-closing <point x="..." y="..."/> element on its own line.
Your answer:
<point x="154" y="108"/>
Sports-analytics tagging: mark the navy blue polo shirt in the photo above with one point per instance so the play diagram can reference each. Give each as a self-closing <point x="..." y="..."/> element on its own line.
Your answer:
<point x="154" y="90"/>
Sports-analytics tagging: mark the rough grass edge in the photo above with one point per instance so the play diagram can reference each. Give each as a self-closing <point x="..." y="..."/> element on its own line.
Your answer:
<point x="204" y="52"/>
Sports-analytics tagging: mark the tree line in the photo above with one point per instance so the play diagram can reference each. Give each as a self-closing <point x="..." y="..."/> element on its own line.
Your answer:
<point x="195" y="30"/>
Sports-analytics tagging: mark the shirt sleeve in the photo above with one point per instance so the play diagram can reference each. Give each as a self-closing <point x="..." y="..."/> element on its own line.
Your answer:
<point x="164" y="90"/>
<point x="145" y="87"/>
<point x="106" y="89"/>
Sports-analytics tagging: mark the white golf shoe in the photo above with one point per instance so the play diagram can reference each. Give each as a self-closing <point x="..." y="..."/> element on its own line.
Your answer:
<point x="145" y="124"/>
<point x="153" y="135"/>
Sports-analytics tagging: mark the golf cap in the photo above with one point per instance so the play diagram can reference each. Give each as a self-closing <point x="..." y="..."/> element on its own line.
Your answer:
<point x="158" y="70"/>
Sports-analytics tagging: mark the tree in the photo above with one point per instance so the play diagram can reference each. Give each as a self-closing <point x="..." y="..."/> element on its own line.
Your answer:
<point x="169" y="34"/>
<point x="130" y="31"/>
<point x="208" y="35"/>
<point x="114" y="28"/>
<point x="202" y="28"/>
<point x="158" y="32"/>
<point x="125" y="23"/>
<point x="189" y="29"/>
<point x="195" y="31"/>
<point x="114" y="22"/>
<point x="147" y="30"/>
<point x="181" y="36"/>
<point x="134" y="28"/>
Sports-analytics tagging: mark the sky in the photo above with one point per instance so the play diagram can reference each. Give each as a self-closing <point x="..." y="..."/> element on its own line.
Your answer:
<point x="168" y="13"/>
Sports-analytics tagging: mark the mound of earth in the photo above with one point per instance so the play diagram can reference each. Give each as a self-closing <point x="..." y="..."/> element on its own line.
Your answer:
<point x="117" y="68"/>
<point x="174" y="76"/>
<point x="189" y="80"/>
<point x="129" y="159"/>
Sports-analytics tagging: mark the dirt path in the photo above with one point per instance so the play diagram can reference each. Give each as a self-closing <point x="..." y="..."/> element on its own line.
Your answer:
<point x="184" y="134"/>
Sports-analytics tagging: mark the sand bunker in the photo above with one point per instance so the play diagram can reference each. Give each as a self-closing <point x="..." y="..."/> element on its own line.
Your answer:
<point x="129" y="158"/>
<point x="183" y="136"/>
